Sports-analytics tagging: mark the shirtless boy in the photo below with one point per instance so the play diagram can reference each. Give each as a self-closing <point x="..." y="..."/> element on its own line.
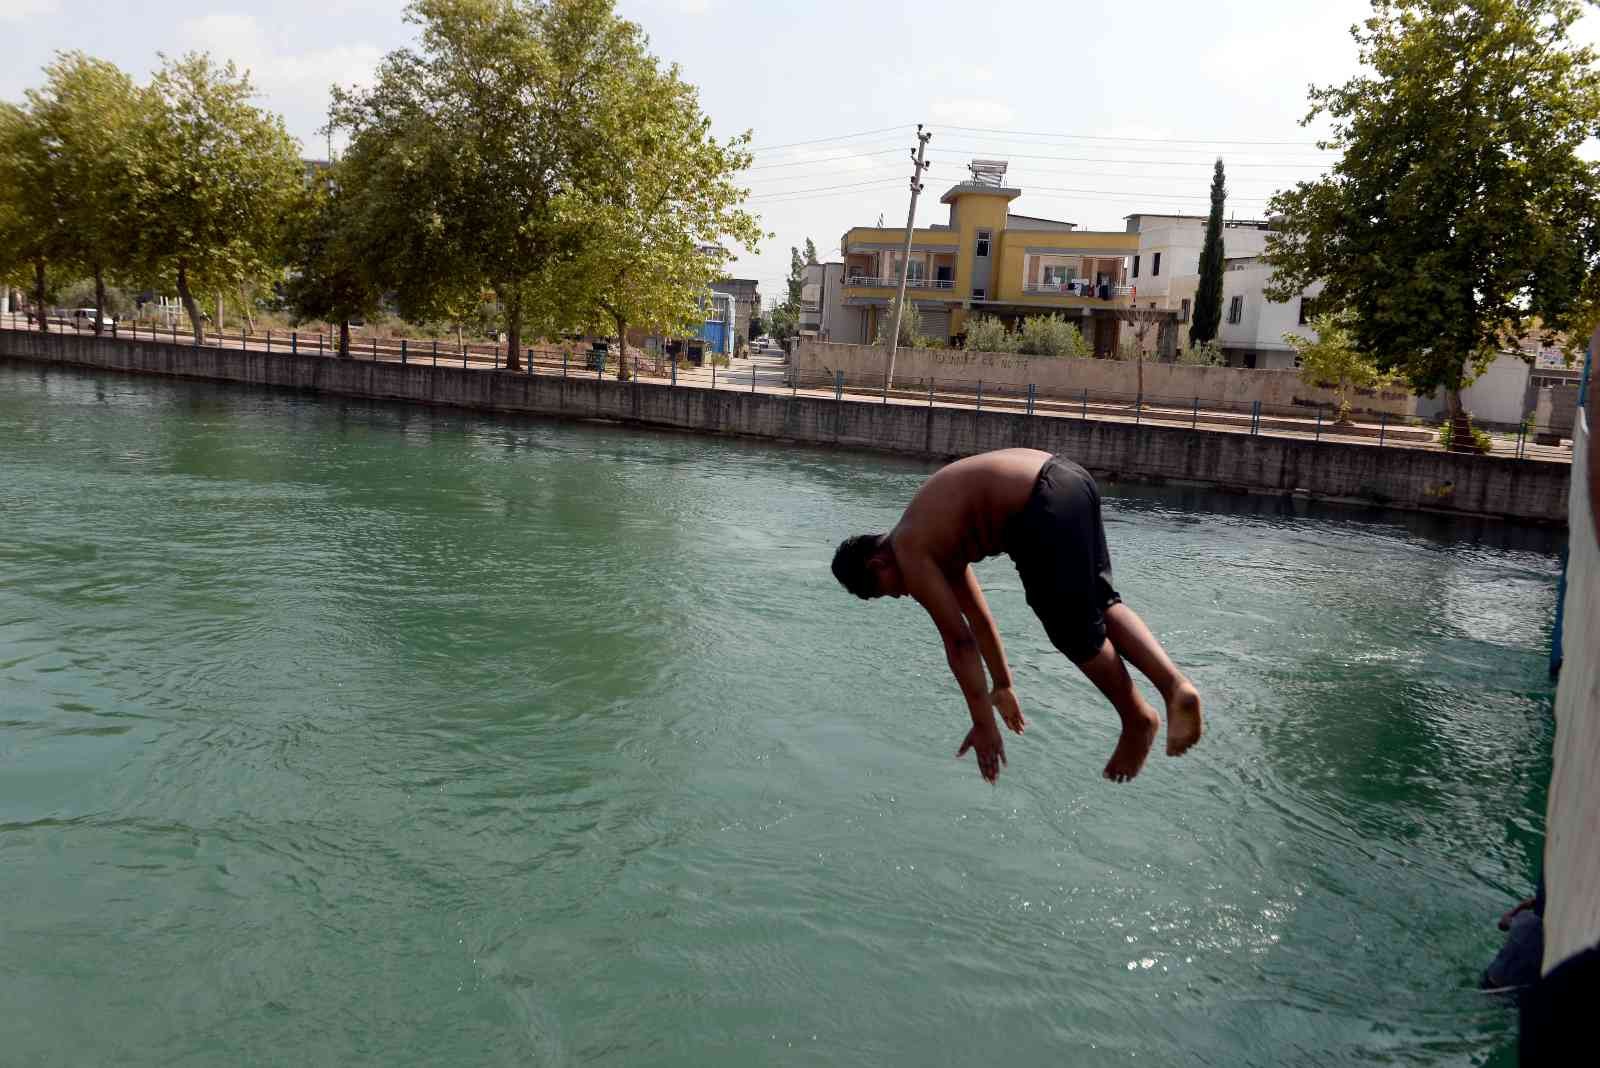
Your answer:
<point x="1045" y="514"/>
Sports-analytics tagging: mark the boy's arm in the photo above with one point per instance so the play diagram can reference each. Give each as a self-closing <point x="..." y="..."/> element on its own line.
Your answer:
<point x="928" y="584"/>
<point x="970" y="596"/>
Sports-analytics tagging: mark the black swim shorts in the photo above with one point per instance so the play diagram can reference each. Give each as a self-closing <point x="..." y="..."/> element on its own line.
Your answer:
<point x="1059" y="547"/>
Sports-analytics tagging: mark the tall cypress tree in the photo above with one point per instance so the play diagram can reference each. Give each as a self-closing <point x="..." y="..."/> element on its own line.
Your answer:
<point x="1208" y="297"/>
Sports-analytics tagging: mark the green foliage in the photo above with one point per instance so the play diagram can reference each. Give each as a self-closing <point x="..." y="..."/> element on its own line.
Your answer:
<point x="1051" y="335"/>
<point x="986" y="333"/>
<point x="910" y="325"/>
<point x="783" y="321"/>
<point x="219" y="175"/>
<point x="811" y="253"/>
<point x="33" y="234"/>
<point x="1208" y="295"/>
<point x="329" y="276"/>
<point x="1457" y="218"/>
<point x="1203" y="354"/>
<point x="1334" y="361"/>
<point x="80" y="293"/>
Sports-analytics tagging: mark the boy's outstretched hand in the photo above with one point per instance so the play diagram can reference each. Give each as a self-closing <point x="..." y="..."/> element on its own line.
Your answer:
<point x="991" y="749"/>
<point x="1005" y="703"/>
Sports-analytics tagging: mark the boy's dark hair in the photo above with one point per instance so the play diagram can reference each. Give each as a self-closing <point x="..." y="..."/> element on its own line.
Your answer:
<point x="851" y="568"/>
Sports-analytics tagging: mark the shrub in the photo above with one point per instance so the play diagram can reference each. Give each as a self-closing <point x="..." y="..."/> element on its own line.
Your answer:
<point x="1480" y="439"/>
<point x="910" y="325"/>
<point x="1051" y="335"/>
<point x="1205" y="354"/>
<point x="985" y="333"/>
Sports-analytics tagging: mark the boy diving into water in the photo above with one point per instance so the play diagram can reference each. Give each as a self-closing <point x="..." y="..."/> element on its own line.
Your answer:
<point x="1044" y="513"/>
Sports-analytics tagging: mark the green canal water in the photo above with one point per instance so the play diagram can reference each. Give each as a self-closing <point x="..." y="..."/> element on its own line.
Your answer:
<point x="335" y="733"/>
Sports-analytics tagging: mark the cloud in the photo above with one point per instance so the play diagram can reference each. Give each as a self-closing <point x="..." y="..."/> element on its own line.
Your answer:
<point x="292" y="82"/>
<point x="972" y="111"/>
<point x="17" y="10"/>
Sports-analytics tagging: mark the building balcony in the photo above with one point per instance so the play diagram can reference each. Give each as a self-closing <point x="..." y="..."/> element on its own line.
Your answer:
<point x="1078" y="287"/>
<point x="868" y="282"/>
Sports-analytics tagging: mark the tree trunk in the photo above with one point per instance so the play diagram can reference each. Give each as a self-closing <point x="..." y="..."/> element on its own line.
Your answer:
<point x="622" y="348"/>
<point x="189" y="305"/>
<point x="38" y="295"/>
<point x="513" y="332"/>
<point x="99" y="298"/>
<point x="344" y="339"/>
<point x="1461" y="439"/>
<point x="244" y="310"/>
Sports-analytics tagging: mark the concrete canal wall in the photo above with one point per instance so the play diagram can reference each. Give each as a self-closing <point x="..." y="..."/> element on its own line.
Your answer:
<point x="1419" y="479"/>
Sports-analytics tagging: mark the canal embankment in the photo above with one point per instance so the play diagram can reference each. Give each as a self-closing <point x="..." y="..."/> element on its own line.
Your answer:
<point x="1361" y="473"/>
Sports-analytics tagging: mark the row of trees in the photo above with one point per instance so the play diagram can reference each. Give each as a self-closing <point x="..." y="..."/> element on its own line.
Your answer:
<point x="527" y="153"/>
<point x="181" y="182"/>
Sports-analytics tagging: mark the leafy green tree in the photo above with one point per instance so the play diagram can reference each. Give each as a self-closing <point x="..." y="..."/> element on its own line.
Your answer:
<point x="329" y="276"/>
<point x="33" y="233"/>
<point x="1333" y="360"/>
<point x="910" y="324"/>
<point x="783" y="320"/>
<point x="811" y="253"/>
<point x="218" y="177"/>
<point x="987" y="333"/>
<point x="1460" y="213"/>
<point x="656" y="219"/>
<point x="1208" y="294"/>
<point x="1051" y="335"/>
<point x="476" y="150"/>
<point x="86" y="112"/>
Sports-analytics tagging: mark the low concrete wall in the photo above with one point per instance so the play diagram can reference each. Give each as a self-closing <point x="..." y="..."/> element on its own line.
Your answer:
<point x="1572" y="843"/>
<point x="1402" y="478"/>
<point x="1230" y="386"/>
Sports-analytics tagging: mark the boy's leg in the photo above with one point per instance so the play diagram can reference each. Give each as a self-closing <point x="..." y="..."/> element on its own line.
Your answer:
<point x="1127" y="632"/>
<point x="1139" y="721"/>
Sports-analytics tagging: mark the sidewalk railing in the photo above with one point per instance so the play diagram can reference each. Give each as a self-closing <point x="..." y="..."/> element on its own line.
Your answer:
<point x="1252" y="417"/>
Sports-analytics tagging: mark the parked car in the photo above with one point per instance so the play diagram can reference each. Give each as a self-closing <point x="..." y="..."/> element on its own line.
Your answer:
<point x="84" y="318"/>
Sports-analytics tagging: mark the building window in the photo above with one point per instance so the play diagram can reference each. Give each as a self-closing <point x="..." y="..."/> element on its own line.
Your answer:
<point x="1155" y="264"/>
<point x="1236" y="309"/>
<point x="1308" y="310"/>
<point x="1183" y="312"/>
<point x="1136" y="266"/>
<point x="982" y="249"/>
<point x="980" y="294"/>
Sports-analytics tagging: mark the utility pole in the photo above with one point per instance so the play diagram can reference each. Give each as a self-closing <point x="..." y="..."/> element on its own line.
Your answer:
<point x="920" y="165"/>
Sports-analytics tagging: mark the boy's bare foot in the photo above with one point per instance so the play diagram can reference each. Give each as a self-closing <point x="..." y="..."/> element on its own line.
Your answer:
<point x="1138" y="735"/>
<point x="1183" y="718"/>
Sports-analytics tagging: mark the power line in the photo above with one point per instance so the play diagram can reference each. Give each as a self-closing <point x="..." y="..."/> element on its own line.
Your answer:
<point x="826" y="159"/>
<point x="1141" y="140"/>
<point x="1136" y="162"/>
<point x="822" y="188"/>
<point x="824" y="140"/>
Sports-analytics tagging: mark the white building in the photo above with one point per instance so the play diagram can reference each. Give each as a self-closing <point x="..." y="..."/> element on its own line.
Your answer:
<point x="1166" y="274"/>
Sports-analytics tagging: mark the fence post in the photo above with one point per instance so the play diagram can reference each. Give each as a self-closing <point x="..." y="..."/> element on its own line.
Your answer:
<point x="436" y="352"/>
<point x="1522" y="433"/>
<point x="980" y="396"/>
<point x="1194" y="419"/>
<point x="600" y="367"/>
<point x="1319" y="424"/>
<point x="670" y="358"/>
<point x="530" y="359"/>
<point x="1138" y="408"/>
<point x="269" y="340"/>
<point x="294" y="341"/>
<point x="1383" y="427"/>
<point x="884" y="390"/>
<point x="463" y="355"/>
<point x="319" y="342"/>
<point x="838" y="385"/>
<point x="1030" y="397"/>
<point x="113" y="330"/>
<point x="1084" y="411"/>
<point x="563" y="363"/>
<point x="752" y="374"/>
<point x="374" y="347"/>
<point x="930" y="393"/>
<point x="713" y="372"/>
<point x="404" y="351"/>
<point x="1255" y="417"/>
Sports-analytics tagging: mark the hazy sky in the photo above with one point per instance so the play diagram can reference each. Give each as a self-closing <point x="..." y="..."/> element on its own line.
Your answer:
<point x="1102" y="108"/>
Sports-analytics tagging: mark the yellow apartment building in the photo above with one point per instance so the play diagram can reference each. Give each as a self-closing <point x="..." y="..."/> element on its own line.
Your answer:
<point x="988" y="260"/>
